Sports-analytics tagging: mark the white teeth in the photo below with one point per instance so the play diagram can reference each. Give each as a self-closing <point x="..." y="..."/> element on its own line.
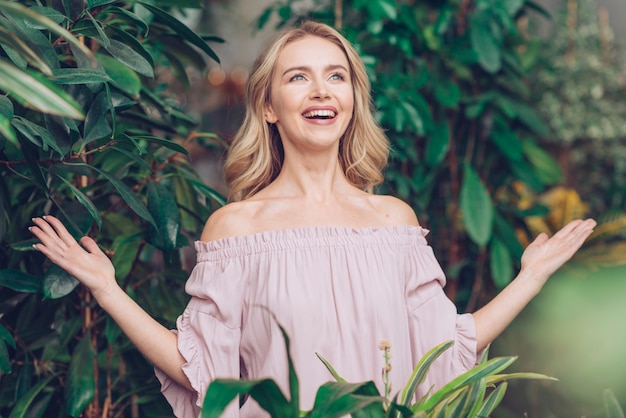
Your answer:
<point x="319" y="114"/>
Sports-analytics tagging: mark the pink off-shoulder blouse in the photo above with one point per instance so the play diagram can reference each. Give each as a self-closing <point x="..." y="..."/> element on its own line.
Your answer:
<point x="337" y="291"/>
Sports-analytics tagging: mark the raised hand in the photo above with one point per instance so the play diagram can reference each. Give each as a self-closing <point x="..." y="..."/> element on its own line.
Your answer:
<point x="545" y="255"/>
<point x="85" y="261"/>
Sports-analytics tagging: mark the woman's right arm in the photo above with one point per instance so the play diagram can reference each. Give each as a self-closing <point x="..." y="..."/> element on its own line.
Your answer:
<point x="88" y="264"/>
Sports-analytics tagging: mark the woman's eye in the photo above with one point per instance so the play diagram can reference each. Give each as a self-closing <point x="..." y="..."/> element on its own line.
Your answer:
<point x="297" y="77"/>
<point x="337" y="77"/>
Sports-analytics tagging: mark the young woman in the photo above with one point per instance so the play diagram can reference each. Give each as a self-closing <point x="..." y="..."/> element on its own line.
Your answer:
<point x="305" y="244"/>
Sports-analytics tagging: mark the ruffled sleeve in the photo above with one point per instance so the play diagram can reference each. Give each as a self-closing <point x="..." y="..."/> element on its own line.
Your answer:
<point x="433" y="319"/>
<point x="209" y="331"/>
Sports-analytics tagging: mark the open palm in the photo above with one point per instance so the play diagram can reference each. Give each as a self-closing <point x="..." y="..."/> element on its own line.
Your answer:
<point x="85" y="261"/>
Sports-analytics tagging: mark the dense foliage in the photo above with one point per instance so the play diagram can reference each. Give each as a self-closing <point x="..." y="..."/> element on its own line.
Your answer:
<point x="88" y="133"/>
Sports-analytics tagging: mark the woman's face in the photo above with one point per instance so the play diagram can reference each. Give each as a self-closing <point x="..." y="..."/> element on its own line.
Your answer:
<point x="311" y="97"/>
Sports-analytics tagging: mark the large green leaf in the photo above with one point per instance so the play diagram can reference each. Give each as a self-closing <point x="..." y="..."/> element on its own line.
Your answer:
<point x="79" y="76"/>
<point x="223" y="391"/>
<point x="35" y="92"/>
<point x="493" y="400"/>
<point x="23" y="405"/>
<point x="85" y="201"/>
<point x="81" y="386"/>
<point x="32" y="132"/>
<point x="486" y="45"/>
<point x="96" y="123"/>
<point x="123" y="77"/>
<point x="58" y="283"/>
<point x="129" y="57"/>
<point x="421" y="370"/>
<point x="501" y="263"/>
<point x="507" y="141"/>
<point x="338" y="399"/>
<point x="181" y="29"/>
<point x="19" y="281"/>
<point x="477" y="207"/>
<point x="162" y="205"/>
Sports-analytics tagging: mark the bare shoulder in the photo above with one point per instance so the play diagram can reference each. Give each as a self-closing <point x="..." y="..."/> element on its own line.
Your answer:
<point x="230" y="220"/>
<point x="395" y="211"/>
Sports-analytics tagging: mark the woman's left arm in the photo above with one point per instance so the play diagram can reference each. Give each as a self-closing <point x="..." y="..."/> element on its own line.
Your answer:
<point x="540" y="259"/>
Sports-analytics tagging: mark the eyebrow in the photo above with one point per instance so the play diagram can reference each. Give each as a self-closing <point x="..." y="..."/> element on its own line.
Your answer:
<point x="308" y="69"/>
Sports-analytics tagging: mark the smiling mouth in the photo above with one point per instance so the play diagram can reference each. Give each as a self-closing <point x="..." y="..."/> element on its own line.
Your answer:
<point x="319" y="114"/>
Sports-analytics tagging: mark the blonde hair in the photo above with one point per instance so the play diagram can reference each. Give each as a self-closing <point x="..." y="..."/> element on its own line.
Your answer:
<point x="255" y="156"/>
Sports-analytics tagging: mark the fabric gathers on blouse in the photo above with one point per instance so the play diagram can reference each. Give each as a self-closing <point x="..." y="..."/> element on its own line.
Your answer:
<point x="337" y="291"/>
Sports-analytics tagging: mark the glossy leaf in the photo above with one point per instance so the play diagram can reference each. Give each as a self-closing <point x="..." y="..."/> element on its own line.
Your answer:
<point x="85" y="201"/>
<point x="421" y="370"/>
<point x="37" y="93"/>
<point x="339" y="399"/>
<point x="34" y="133"/>
<point x="477" y="207"/>
<point x="122" y="77"/>
<point x="501" y="264"/>
<point x="23" y="405"/>
<point x="162" y="205"/>
<point x="79" y="76"/>
<point x="81" y="386"/>
<point x="58" y="283"/>
<point x="129" y="197"/>
<point x="493" y="400"/>
<point x="181" y="29"/>
<point x="129" y="57"/>
<point x="20" y="281"/>
<point x="221" y="392"/>
<point x="96" y="122"/>
<point x="174" y="146"/>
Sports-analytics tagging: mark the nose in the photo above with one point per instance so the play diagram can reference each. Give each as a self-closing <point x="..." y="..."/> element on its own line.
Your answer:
<point x="319" y="90"/>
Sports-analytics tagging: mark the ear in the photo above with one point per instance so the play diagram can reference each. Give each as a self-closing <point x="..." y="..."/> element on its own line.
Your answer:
<point x="269" y="114"/>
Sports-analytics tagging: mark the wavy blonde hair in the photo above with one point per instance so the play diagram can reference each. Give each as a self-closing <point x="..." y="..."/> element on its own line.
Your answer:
<point x="255" y="156"/>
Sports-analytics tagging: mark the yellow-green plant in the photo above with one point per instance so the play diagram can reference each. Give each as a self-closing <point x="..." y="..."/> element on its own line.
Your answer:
<point x="475" y="393"/>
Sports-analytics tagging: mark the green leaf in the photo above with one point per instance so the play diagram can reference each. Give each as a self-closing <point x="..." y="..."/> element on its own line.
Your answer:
<point x="507" y="142"/>
<point x="438" y="144"/>
<point x="180" y="28"/>
<point x="493" y="400"/>
<point x="85" y="201"/>
<point x="487" y="47"/>
<point x="5" y="361"/>
<point x="96" y="123"/>
<point x="22" y="406"/>
<point x="6" y="114"/>
<point x="380" y="9"/>
<point x="126" y="250"/>
<point x="221" y="392"/>
<point x="58" y="283"/>
<point x="501" y="264"/>
<point x="102" y="37"/>
<point x="545" y="167"/>
<point x="207" y="191"/>
<point x="330" y="368"/>
<point x="162" y="205"/>
<point x="338" y="399"/>
<point x="6" y="336"/>
<point x="447" y="93"/>
<point x="174" y="146"/>
<point x="491" y="367"/>
<point x="96" y="3"/>
<point x="477" y="207"/>
<point x="20" y="281"/>
<point x="32" y="131"/>
<point x="123" y="77"/>
<point x="421" y="370"/>
<point x="129" y="197"/>
<point x="79" y="76"/>
<point x="81" y="386"/>
<point x="35" y="92"/>
<point x="129" y="57"/>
